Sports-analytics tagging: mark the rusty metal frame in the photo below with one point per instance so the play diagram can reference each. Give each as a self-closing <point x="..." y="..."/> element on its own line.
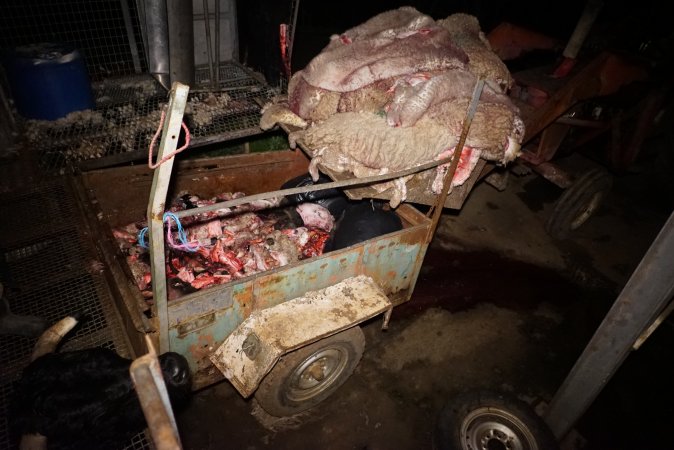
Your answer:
<point x="157" y="204"/>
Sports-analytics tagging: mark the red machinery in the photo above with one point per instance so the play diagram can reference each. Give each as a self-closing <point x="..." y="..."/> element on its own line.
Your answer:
<point x="566" y="98"/>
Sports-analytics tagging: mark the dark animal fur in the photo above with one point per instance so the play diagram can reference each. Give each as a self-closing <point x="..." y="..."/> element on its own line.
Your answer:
<point x="86" y="399"/>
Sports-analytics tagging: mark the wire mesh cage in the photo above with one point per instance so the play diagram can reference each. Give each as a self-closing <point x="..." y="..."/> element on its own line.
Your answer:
<point x="49" y="271"/>
<point x="107" y="32"/>
<point x="128" y="112"/>
<point x="128" y="101"/>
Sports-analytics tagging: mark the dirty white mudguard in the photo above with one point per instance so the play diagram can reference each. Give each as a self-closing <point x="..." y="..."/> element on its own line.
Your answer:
<point x="250" y="352"/>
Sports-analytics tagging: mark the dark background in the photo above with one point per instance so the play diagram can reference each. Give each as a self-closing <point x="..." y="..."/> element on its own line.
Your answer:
<point x="622" y="24"/>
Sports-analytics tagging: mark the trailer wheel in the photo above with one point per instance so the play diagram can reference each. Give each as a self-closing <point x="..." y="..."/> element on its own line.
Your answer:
<point x="307" y="376"/>
<point x="485" y="420"/>
<point x="578" y="203"/>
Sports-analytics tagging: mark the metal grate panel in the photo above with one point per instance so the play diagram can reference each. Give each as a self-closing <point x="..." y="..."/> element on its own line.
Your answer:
<point x="48" y="271"/>
<point x="107" y="32"/>
<point x="128" y="112"/>
<point x="30" y="215"/>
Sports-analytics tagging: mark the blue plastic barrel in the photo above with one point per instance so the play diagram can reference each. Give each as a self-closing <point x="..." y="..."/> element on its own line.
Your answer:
<point x="48" y="81"/>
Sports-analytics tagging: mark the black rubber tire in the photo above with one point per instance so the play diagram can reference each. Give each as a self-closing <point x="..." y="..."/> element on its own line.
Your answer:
<point x="578" y="203"/>
<point x="486" y="420"/>
<point x="284" y="391"/>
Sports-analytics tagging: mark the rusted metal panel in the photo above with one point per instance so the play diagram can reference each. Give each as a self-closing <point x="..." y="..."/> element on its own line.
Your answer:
<point x="251" y="173"/>
<point x="391" y="262"/>
<point x="196" y="330"/>
<point x="311" y="274"/>
<point x="199" y="304"/>
<point x="250" y="352"/>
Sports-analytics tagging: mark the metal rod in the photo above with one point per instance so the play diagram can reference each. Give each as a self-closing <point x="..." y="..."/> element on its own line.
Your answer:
<point x="654" y="326"/>
<point x="456" y="156"/>
<point x="133" y="46"/>
<point x="295" y="7"/>
<point x="583" y="27"/>
<point x="646" y="293"/>
<point x="149" y="383"/>
<point x="312" y="188"/>
<point x="157" y="204"/>
<point x="217" y="44"/>
<point x="209" y="48"/>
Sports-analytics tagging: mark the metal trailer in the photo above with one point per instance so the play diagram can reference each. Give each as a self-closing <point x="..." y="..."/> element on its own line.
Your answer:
<point x="306" y="313"/>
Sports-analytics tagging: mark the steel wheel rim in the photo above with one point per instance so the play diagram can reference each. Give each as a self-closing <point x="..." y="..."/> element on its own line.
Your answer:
<point x="491" y="428"/>
<point x="316" y="374"/>
<point x="587" y="211"/>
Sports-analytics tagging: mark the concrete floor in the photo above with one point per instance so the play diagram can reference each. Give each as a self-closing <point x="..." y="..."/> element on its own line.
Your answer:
<point x="499" y="304"/>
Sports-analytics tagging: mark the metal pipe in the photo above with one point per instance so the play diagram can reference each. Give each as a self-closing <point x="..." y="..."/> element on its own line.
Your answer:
<point x="583" y="28"/>
<point x="209" y="51"/>
<point x="217" y="44"/>
<point x="156" y="34"/>
<point x="181" y="41"/>
<point x="133" y="47"/>
<point x="646" y="293"/>
<point x="157" y="204"/>
<point x="295" y="7"/>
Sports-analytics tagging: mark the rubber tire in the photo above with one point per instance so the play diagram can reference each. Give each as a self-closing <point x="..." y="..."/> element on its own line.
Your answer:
<point x="275" y="392"/>
<point x="576" y="201"/>
<point x="480" y="404"/>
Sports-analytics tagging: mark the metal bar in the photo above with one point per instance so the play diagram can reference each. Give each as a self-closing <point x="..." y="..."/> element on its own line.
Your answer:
<point x="148" y="380"/>
<point x="133" y="46"/>
<point x="646" y="293"/>
<point x="654" y="326"/>
<point x="586" y="123"/>
<point x="295" y="7"/>
<point x="456" y="156"/>
<point x="157" y="204"/>
<point x="312" y="188"/>
<point x="583" y="28"/>
<point x="217" y="43"/>
<point x="209" y="49"/>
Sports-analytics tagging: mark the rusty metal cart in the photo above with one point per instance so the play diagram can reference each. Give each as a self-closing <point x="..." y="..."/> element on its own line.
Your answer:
<point x="305" y="314"/>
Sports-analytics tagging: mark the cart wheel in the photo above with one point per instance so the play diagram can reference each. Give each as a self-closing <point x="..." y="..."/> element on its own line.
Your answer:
<point x="485" y="420"/>
<point x="307" y="376"/>
<point x="578" y="203"/>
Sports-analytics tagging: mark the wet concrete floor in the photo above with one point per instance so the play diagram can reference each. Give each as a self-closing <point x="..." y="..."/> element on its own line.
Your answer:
<point x="499" y="305"/>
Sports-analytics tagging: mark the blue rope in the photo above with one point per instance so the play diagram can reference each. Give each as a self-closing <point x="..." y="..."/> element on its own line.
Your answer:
<point x="182" y="235"/>
<point x="141" y="238"/>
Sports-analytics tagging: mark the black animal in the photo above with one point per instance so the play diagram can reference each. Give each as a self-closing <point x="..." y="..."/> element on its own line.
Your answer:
<point x="86" y="399"/>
